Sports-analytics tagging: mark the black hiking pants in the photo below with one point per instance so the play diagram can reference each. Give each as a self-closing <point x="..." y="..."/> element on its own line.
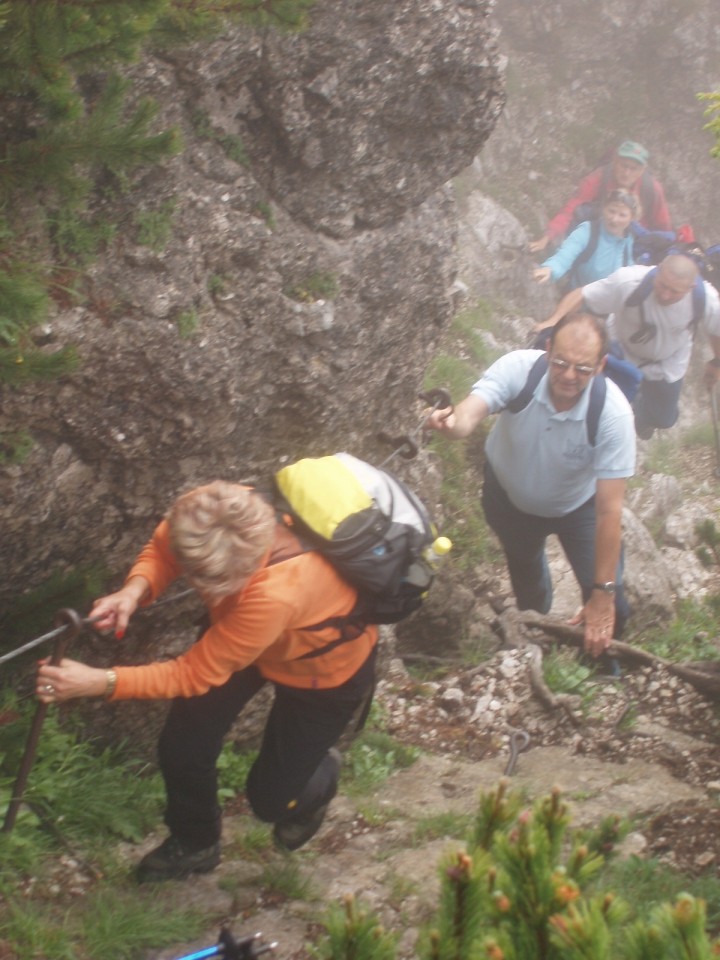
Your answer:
<point x="292" y="775"/>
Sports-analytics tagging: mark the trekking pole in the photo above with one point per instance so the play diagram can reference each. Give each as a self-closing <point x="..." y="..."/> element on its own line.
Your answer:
<point x="71" y="628"/>
<point x="716" y="428"/>
<point x="31" y="644"/>
<point x="406" y="444"/>
<point x="69" y="625"/>
<point x="228" y="948"/>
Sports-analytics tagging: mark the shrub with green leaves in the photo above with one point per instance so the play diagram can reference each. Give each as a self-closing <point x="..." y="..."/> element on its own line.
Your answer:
<point x="319" y="285"/>
<point x="522" y="889"/>
<point x="689" y="635"/>
<point x="76" y="792"/>
<point x="373" y="756"/>
<point x="712" y="111"/>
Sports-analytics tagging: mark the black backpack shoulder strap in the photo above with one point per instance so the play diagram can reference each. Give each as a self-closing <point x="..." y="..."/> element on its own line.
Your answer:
<point x="534" y="377"/>
<point x="591" y="245"/>
<point x="643" y="290"/>
<point x="598" y="392"/>
<point x="698" y="302"/>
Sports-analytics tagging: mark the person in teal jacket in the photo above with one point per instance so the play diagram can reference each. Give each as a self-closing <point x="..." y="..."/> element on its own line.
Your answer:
<point x="595" y="248"/>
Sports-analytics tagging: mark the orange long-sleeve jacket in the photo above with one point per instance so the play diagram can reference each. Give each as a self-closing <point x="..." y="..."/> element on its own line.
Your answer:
<point x="265" y="623"/>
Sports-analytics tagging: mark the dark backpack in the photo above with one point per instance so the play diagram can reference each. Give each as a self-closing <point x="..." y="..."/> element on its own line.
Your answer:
<point x="625" y="374"/>
<point x="368" y="524"/>
<point x="652" y="246"/>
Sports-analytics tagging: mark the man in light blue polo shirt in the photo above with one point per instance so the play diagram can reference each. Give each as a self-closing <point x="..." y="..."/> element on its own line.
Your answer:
<point x="543" y="473"/>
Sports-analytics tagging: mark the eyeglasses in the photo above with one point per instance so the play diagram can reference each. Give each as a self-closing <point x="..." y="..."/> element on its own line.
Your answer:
<point x="580" y="368"/>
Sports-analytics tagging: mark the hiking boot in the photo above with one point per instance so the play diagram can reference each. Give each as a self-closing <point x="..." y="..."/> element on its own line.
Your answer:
<point x="173" y="861"/>
<point x="294" y="833"/>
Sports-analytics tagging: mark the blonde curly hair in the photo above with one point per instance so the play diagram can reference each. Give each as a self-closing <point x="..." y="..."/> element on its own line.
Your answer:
<point x="219" y="533"/>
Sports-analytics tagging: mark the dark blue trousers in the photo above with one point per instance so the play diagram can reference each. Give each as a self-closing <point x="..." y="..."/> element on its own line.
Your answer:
<point x="657" y="405"/>
<point x="523" y="537"/>
<point x="292" y="774"/>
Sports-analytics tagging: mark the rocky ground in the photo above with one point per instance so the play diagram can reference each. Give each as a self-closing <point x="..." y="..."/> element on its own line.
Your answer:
<point x="644" y="746"/>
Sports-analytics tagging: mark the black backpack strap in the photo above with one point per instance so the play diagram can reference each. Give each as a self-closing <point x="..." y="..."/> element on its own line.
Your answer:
<point x="590" y="248"/>
<point x="643" y="290"/>
<point x="645" y="287"/>
<point x="698" y="303"/>
<point x="349" y="628"/>
<point x="598" y="390"/>
<point x="537" y="371"/>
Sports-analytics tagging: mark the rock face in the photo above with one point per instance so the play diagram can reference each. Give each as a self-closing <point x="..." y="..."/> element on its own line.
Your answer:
<point x="303" y="289"/>
<point x="314" y="253"/>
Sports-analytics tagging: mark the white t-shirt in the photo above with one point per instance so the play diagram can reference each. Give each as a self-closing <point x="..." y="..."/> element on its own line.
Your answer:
<point x="665" y="354"/>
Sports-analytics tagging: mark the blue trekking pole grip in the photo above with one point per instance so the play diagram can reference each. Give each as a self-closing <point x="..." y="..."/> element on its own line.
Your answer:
<point x="229" y="948"/>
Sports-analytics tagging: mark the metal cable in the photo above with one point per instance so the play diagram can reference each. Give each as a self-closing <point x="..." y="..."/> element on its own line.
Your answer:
<point x="86" y="622"/>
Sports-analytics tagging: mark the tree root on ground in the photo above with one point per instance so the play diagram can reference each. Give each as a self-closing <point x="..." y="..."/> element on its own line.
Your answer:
<point x="551" y="701"/>
<point x="513" y="621"/>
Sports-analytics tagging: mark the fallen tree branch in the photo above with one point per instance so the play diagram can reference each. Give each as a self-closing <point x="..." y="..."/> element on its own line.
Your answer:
<point x="551" y="701"/>
<point x="706" y="683"/>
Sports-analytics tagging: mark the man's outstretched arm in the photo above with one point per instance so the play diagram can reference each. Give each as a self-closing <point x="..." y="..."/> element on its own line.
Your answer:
<point x="460" y="421"/>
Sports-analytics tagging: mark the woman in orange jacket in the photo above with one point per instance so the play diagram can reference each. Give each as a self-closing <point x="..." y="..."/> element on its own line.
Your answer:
<point x="277" y="613"/>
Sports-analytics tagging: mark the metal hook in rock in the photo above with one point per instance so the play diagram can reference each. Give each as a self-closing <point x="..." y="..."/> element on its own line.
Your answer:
<point x="519" y="740"/>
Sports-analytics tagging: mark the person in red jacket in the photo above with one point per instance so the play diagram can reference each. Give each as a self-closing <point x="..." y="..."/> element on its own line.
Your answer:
<point x="627" y="171"/>
<point x="277" y="613"/>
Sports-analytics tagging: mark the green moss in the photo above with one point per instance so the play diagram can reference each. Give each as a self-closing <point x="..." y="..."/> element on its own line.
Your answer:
<point x="15" y="447"/>
<point x="154" y="227"/>
<point x="266" y="212"/>
<point x="187" y="322"/>
<point x="231" y="143"/>
<point x="319" y="285"/>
